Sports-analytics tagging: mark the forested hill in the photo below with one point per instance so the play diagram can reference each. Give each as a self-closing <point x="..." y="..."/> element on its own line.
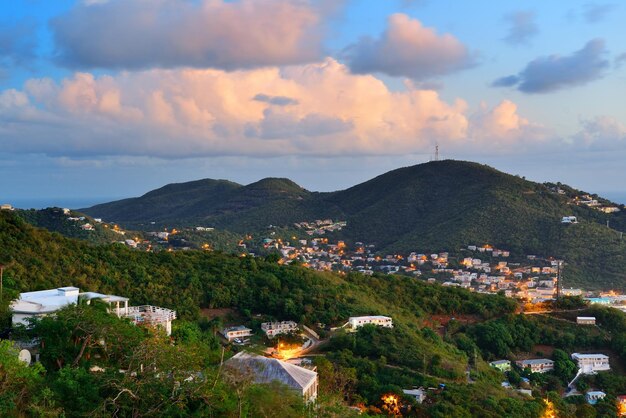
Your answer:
<point x="441" y="205"/>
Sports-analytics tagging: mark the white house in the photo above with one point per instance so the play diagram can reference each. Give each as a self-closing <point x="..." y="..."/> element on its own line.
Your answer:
<point x="537" y="365"/>
<point x="6" y="206"/>
<point x="418" y="394"/>
<point x="44" y="302"/>
<point x="586" y="320"/>
<point x="236" y="332"/>
<point x="594" y="396"/>
<point x="569" y="220"/>
<point x="591" y="363"/>
<point x="272" y="329"/>
<point x="267" y="370"/>
<point x="378" y="320"/>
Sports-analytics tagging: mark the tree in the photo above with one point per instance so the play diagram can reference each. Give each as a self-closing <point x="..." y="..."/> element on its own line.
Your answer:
<point x="564" y="368"/>
<point x="18" y="381"/>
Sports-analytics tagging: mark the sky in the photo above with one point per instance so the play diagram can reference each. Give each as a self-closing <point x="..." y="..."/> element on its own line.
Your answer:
<point x="103" y="99"/>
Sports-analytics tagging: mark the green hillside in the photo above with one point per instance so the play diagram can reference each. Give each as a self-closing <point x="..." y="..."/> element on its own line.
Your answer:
<point x="356" y="369"/>
<point x="441" y="205"/>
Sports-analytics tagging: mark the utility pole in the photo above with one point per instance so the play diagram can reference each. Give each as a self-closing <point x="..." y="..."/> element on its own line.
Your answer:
<point x="436" y="152"/>
<point x="558" y="281"/>
<point x="1" y="283"/>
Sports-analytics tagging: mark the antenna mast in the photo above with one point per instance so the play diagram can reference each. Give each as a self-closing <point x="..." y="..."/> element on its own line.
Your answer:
<point x="436" y="152"/>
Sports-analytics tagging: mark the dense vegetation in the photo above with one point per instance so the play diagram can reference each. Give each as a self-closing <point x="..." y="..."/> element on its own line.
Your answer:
<point x="357" y="368"/>
<point x="438" y="206"/>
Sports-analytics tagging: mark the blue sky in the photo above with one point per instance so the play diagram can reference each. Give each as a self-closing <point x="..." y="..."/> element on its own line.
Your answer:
<point x="110" y="98"/>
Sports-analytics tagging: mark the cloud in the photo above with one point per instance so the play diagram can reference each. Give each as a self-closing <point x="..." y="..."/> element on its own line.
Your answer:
<point x="601" y="132"/>
<point x="620" y="60"/>
<point x="594" y="12"/>
<point x="503" y="126"/>
<point x="522" y="27"/>
<point x="408" y="49"/>
<point x="275" y="100"/>
<point x="191" y="113"/>
<point x="138" y="34"/>
<point x="554" y="72"/>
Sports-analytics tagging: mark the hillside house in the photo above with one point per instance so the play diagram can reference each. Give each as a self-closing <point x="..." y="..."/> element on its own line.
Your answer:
<point x="272" y="329"/>
<point x="569" y="220"/>
<point x="378" y="320"/>
<point x="45" y="302"/>
<point x="266" y="370"/>
<point x="538" y="365"/>
<point x="594" y="396"/>
<point x="418" y="394"/>
<point x="238" y="331"/>
<point x="6" y="206"/>
<point x="502" y="365"/>
<point x="586" y="320"/>
<point x="591" y="363"/>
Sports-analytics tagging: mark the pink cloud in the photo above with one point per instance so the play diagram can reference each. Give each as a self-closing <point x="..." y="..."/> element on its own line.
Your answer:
<point x="409" y="49"/>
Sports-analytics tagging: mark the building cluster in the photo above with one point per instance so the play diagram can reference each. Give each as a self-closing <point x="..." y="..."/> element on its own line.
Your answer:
<point x="587" y="364"/>
<point x="320" y="226"/>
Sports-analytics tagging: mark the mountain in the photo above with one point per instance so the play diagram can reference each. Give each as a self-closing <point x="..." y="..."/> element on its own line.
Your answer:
<point x="440" y="205"/>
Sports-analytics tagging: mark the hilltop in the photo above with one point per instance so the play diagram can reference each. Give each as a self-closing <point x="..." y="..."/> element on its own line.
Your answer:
<point x="441" y="205"/>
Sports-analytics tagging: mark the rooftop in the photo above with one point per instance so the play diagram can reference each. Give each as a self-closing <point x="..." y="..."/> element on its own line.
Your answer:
<point x="267" y="370"/>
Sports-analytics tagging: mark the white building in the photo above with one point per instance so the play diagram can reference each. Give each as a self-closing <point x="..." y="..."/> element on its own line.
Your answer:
<point x="236" y="332"/>
<point x="537" y="365"/>
<point x="569" y="220"/>
<point x="418" y="394"/>
<point x="272" y="329"/>
<point x="378" y="320"/>
<point x="594" y="396"/>
<point x="6" y="206"/>
<point x="586" y="320"/>
<point x="44" y="302"/>
<point x="591" y="363"/>
<point x="267" y="370"/>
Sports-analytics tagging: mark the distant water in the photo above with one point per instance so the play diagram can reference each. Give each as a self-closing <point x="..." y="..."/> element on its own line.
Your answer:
<point x="617" y="197"/>
<point x="61" y="202"/>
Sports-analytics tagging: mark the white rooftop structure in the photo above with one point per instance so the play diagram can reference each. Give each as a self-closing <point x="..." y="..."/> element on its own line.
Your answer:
<point x="267" y="370"/>
<point x="591" y="363"/>
<point x="418" y="394"/>
<point x="44" y="302"/>
<point x="379" y="320"/>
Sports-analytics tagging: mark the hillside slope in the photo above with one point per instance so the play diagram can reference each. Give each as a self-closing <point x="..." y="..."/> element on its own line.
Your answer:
<point x="441" y="205"/>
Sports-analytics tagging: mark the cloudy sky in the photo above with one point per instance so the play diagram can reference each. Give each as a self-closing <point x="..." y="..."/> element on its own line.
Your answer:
<point x="111" y="98"/>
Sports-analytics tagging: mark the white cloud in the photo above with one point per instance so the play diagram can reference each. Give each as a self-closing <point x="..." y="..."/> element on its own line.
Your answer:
<point x="309" y="110"/>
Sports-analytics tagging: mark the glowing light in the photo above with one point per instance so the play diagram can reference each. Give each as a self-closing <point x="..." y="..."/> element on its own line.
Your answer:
<point x="390" y="404"/>
<point x="549" y="412"/>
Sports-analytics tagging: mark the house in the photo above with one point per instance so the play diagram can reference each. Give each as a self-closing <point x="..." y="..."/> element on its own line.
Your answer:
<point x="502" y="365"/>
<point x="569" y="220"/>
<point x="266" y="370"/>
<point x="538" y="365"/>
<point x="45" y="302"/>
<point x="591" y="363"/>
<point x="272" y="329"/>
<point x="594" y="396"/>
<point x="6" y="206"/>
<point x="87" y="227"/>
<point x="236" y="332"/>
<point x="418" y="394"/>
<point x="379" y="320"/>
<point x="586" y="320"/>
